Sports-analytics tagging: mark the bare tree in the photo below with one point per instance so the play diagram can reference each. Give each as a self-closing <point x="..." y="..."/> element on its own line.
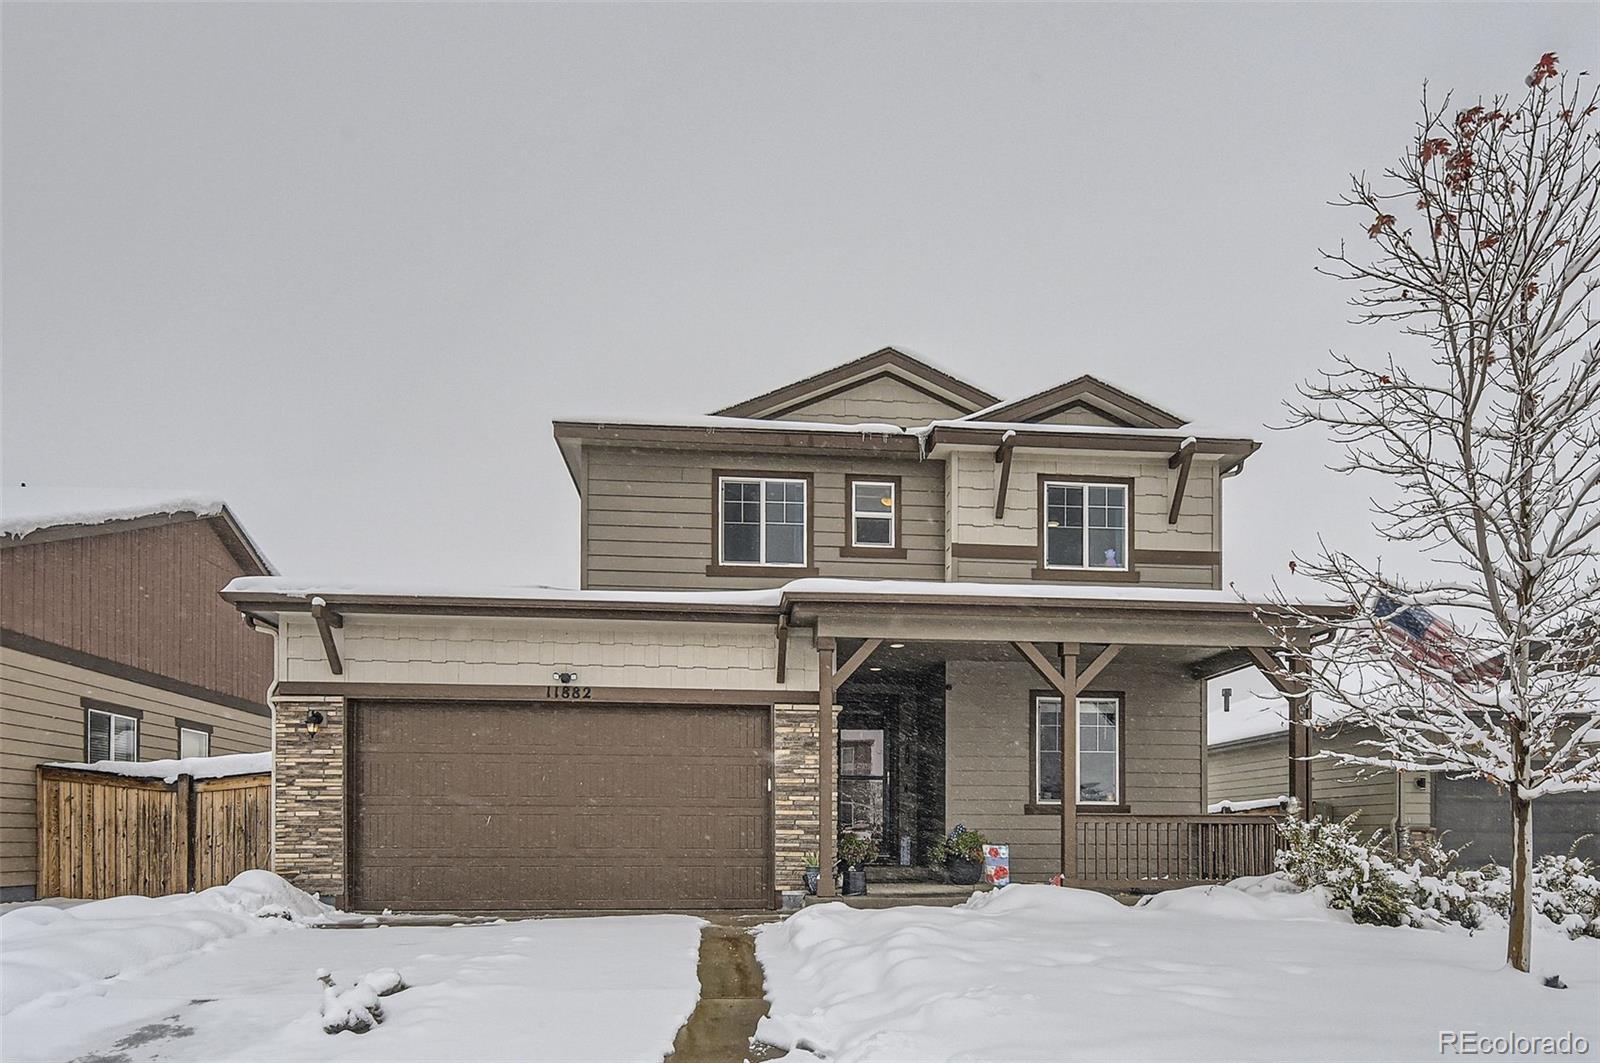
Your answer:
<point x="1480" y="245"/>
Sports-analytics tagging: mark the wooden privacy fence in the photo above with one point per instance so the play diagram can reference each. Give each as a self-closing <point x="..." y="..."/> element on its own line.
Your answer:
<point x="1127" y="852"/>
<point x="104" y="835"/>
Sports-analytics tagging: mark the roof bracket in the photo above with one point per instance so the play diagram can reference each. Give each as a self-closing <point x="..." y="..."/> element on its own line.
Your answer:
<point x="1180" y="461"/>
<point x="1275" y="670"/>
<point x="1046" y="670"/>
<point x="857" y="659"/>
<point x="327" y="620"/>
<point x="783" y="645"/>
<point x="1002" y="458"/>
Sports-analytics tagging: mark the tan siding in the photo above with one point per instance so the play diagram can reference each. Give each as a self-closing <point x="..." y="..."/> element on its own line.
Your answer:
<point x="41" y="720"/>
<point x="146" y="598"/>
<point x="880" y="400"/>
<point x="987" y="757"/>
<point x="524" y="651"/>
<point x="650" y="513"/>
<point x="972" y="478"/>
<point x="1260" y="769"/>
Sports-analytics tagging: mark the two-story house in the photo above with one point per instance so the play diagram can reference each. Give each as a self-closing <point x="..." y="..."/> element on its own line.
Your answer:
<point x="877" y="600"/>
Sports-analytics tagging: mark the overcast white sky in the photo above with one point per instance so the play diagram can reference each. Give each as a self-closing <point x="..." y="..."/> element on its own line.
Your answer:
<point x="342" y="264"/>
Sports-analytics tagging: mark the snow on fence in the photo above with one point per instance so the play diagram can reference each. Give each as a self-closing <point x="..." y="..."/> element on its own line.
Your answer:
<point x="1131" y="851"/>
<point x="103" y="834"/>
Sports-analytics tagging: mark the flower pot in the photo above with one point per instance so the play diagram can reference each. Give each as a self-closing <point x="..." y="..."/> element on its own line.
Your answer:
<point x="855" y="881"/>
<point x="812" y="876"/>
<point x="965" y="872"/>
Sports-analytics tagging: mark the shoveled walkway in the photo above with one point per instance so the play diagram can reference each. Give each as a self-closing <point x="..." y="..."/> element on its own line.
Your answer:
<point x="723" y="1026"/>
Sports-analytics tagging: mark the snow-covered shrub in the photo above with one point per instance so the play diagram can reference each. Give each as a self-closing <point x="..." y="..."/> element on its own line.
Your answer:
<point x="356" y="1008"/>
<point x="1355" y="874"/>
<point x="1430" y="887"/>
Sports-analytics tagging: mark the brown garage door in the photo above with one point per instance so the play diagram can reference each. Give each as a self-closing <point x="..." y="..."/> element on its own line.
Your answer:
<point x="484" y="807"/>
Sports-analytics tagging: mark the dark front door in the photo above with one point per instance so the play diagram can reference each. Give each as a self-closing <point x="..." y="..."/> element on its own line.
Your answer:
<point x="485" y="807"/>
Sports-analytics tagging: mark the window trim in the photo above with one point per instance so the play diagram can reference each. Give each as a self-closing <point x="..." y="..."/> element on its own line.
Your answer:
<point x="720" y="567"/>
<point x="1045" y="570"/>
<point x="93" y="707"/>
<point x="197" y="727"/>
<point x="1035" y="805"/>
<point x="896" y="548"/>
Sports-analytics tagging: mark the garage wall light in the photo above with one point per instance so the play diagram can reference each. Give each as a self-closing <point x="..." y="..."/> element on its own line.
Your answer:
<point x="314" y="721"/>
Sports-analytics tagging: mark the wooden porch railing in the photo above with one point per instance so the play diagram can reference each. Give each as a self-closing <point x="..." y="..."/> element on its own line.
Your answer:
<point x="1117" y="851"/>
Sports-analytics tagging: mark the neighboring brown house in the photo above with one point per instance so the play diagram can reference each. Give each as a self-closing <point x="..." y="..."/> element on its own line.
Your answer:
<point x="115" y="646"/>
<point x="945" y="567"/>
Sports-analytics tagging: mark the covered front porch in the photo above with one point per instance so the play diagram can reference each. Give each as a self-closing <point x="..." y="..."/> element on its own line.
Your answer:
<point x="950" y="711"/>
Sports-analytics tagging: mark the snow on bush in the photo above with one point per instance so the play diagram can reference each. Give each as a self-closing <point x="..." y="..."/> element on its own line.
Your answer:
<point x="356" y="1008"/>
<point x="1430" y="888"/>
<point x="52" y="950"/>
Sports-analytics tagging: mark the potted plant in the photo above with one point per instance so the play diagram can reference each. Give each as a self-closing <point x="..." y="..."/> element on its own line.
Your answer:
<point x="813" y="873"/>
<point x="961" y="853"/>
<point x="856" y="851"/>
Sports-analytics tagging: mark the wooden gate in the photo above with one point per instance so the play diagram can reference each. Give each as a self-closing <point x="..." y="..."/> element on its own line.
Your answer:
<point x="104" y="835"/>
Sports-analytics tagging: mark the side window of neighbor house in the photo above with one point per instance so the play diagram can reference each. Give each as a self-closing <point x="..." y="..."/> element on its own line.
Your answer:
<point x="1098" y="752"/>
<point x="872" y="507"/>
<point x="111" y="736"/>
<point x="193" y="742"/>
<point x="762" y="521"/>
<point x="1085" y="525"/>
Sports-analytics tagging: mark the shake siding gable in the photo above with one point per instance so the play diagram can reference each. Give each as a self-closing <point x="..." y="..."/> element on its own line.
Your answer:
<point x="881" y="399"/>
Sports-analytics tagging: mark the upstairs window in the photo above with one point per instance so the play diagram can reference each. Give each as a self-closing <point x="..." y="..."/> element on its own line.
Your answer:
<point x="762" y="521"/>
<point x="1085" y="525"/>
<point x="872" y="512"/>
<point x="110" y="736"/>
<point x="193" y="742"/>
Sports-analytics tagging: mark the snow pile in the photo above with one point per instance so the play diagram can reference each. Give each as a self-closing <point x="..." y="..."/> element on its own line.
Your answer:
<point x="1281" y="801"/>
<point x="356" y="1008"/>
<point x="1041" y="973"/>
<point x="53" y="950"/>
<point x="26" y="511"/>
<point x="219" y="767"/>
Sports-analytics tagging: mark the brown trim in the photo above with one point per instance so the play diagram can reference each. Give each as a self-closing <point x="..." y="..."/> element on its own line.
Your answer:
<point x="718" y="567"/>
<point x="1181" y="461"/>
<point x="327" y="620"/>
<point x="92" y="705"/>
<point x="993" y="552"/>
<point x="1042" y="569"/>
<point x="757" y="572"/>
<point x="827" y="770"/>
<point x="783" y="645"/>
<point x="193" y="725"/>
<point x="857" y="659"/>
<point x="857" y="382"/>
<point x="976" y="398"/>
<point x="897" y="548"/>
<point x="99" y="705"/>
<point x="15" y="640"/>
<point x="1064" y="438"/>
<point x="779" y="438"/>
<point x="1002" y="458"/>
<point x="1054" y="809"/>
<point x="598" y="696"/>
<point x="1079" y="404"/>
<point x="1033" y="749"/>
<point x="1201" y="558"/>
<point x="1078" y="575"/>
<point x="253" y="604"/>
<point x="1060" y="396"/>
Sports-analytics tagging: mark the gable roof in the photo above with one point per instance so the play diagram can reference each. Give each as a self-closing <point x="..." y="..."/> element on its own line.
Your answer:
<point x="1088" y="391"/>
<point x="886" y="362"/>
<point x="32" y="518"/>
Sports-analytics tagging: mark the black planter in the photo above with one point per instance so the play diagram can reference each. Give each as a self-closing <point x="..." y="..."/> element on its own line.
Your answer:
<point x="855" y="881"/>
<point x="813" y="875"/>
<point x="965" y="872"/>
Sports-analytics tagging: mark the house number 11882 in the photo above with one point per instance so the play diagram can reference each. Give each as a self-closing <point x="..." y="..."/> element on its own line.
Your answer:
<point x="569" y="693"/>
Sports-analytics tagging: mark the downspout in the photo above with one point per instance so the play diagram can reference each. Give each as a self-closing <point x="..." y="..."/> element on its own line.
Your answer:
<point x="1399" y="796"/>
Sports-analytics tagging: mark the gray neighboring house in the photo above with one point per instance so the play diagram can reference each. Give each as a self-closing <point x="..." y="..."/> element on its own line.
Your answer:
<point x="878" y="600"/>
<point x="1247" y="768"/>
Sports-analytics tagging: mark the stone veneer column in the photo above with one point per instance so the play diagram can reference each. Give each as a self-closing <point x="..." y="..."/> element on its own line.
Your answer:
<point x="308" y="798"/>
<point x="794" y="774"/>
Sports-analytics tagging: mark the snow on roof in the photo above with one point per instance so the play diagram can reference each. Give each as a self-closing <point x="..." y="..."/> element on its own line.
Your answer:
<point x="712" y="422"/>
<point x="1281" y="801"/>
<point x="771" y="597"/>
<point x="1202" y="431"/>
<point x="28" y="509"/>
<point x="169" y="770"/>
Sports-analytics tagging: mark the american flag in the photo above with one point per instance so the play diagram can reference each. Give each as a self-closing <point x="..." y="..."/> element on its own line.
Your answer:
<point x="1420" y="631"/>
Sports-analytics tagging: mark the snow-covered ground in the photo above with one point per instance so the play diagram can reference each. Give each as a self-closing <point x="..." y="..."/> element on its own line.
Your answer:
<point x="1245" y="972"/>
<point x="230" y="974"/>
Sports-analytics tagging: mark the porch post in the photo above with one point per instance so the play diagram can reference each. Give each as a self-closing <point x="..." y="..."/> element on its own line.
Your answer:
<point x="1300" y="737"/>
<point x="825" y="770"/>
<point x="1069" y="764"/>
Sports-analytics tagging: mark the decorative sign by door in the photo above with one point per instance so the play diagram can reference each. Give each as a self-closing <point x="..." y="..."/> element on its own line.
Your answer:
<point x="997" y="864"/>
